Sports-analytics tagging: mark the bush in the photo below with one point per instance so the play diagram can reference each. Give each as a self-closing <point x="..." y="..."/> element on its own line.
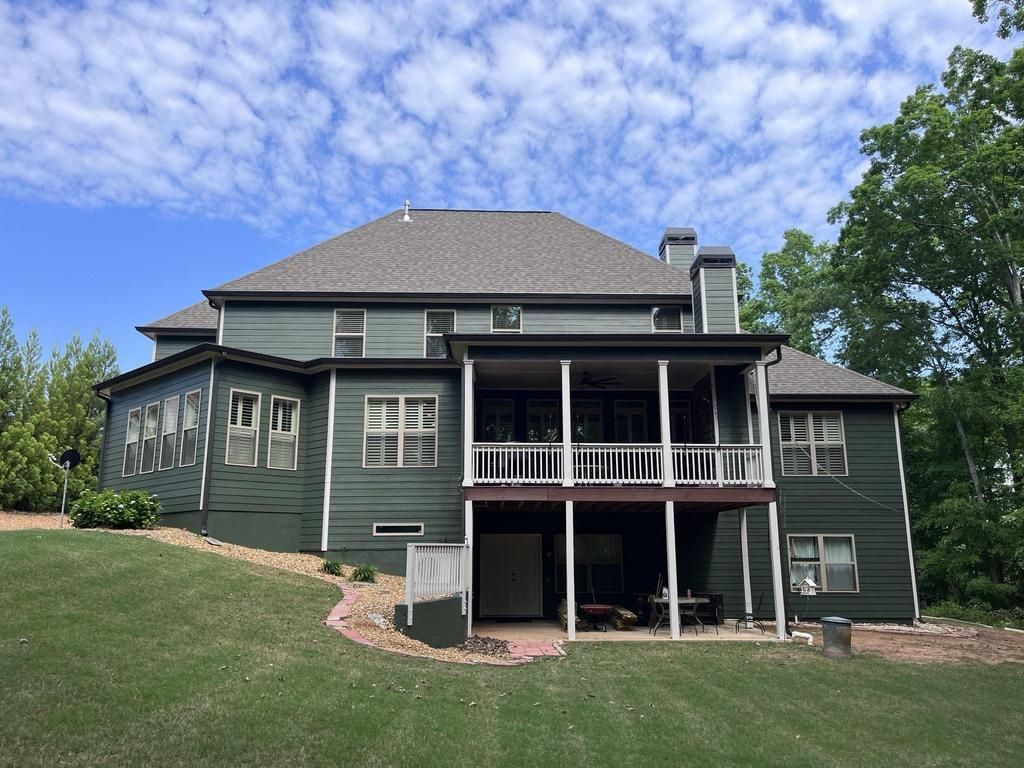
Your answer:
<point x="127" y="509"/>
<point x="331" y="567"/>
<point x="364" y="572"/>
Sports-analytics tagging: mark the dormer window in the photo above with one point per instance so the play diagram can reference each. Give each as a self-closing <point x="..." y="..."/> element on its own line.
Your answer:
<point x="667" y="319"/>
<point x="506" y="318"/>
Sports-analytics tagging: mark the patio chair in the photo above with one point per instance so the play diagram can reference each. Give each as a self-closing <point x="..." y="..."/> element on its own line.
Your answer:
<point x="749" y="618"/>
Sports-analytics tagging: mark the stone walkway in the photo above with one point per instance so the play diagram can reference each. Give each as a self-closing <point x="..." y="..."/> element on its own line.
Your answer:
<point x="534" y="648"/>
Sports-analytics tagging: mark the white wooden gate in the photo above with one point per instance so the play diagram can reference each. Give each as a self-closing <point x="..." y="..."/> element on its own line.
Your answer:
<point x="436" y="570"/>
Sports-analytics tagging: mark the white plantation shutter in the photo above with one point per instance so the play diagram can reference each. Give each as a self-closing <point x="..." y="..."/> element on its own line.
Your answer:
<point x="796" y="444"/>
<point x="667" y="318"/>
<point x="630" y="422"/>
<point x="150" y="427"/>
<point x="420" y="432"/>
<point x="131" y="442"/>
<point x="401" y="432"/>
<point x="243" y="429"/>
<point x="284" y="433"/>
<point x="829" y="449"/>
<point x="169" y="432"/>
<point x="349" y="332"/>
<point x="190" y="429"/>
<point x="438" y="323"/>
<point x="382" y="429"/>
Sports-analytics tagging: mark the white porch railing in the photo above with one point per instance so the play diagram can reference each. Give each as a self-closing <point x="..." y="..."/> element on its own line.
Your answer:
<point x="720" y="465"/>
<point x="617" y="463"/>
<point x="512" y="463"/>
<point x="436" y="570"/>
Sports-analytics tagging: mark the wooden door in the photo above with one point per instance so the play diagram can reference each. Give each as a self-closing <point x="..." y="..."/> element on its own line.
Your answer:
<point x="510" y="574"/>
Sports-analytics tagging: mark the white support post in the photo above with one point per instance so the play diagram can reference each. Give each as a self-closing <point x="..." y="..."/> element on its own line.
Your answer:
<point x="570" y="571"/>
<point x="668" y="469"/>
<point x="567" y="479"/>
<point x="673" y="577"/>
<point x="467" y="422"/>
<point x="325" y="523"/>
<point x="765" y="429"/>
<point x="906" y="510"/>
<point x="748" y="603"/>
<point x="410" y="579"/>
<point x="468" y="572"/>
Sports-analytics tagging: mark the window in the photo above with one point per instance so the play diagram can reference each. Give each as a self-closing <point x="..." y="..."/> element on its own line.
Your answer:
<point x="398" y="529"/>
<point x="169" y="432"/>
<point x="680" y="421"/>
<point x="598" y="559"/>
<point x="543" y="421"/>
<point x="667" y="319"/>
<point x="437" y="323"/>
<point x="831" y="561"/>
<point x="131" y="442"/>
<point x="400" y="431"/>
<point x="283" y="452"/>
<point x="506" y="318"/>
<point x="243" y="429"/>
<point x="812" y="443"/>
<point x="587" y="422"/>
<point x="630" y="421"/>
<point x="190" y="429"/>
<point x="349" y="333"/>
<point x="497" y="419"/>
<point x="150" y="426"/>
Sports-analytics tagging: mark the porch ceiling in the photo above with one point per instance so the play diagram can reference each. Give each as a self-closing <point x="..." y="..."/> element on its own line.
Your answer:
<point x="624" y="375"/>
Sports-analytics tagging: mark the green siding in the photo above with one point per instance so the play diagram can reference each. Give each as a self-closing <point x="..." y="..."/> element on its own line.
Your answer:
<point x="313" y="453"/>
<point x="177" y="487"/>
<point x="171" y="345"/>
<point x="698" y="301"/>
<point x="730" y="390"/>
<point x="361" y="497"/>
<point x="304" y="330"/>
<point x="720" y="312"/>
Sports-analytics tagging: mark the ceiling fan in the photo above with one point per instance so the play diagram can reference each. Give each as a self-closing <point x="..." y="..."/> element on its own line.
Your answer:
<point x="589" y="380"/>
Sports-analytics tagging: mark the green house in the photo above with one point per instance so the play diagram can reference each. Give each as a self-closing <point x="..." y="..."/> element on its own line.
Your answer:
<point x="515" y="382"/>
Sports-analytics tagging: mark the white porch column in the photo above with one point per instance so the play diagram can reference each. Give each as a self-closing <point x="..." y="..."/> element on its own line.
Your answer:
<point x="673" y="578"/>
<point x="765" y="433"/>
<point x="467" y="422"/>
<point x="567" y="479"/>
<point x="664" y="412"/>
<point x="570" y="571"/>
<point x="469" y="567"/>
<point x="748" y="604"/>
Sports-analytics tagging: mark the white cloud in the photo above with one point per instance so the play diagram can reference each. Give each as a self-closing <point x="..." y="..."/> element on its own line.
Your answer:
<point x="739" y="120"/>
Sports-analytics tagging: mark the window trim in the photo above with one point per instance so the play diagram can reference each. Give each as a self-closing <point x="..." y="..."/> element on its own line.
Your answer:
<point x="199" y="411"/>
<point x="560" y="566"/>
<point x="536" y="403"/>
<point x="582" y="405"/>
<point x="155" y="438"/>
<point x="271" y="432"/>
<point x="256" y="422"/>
<point x="655" y="329"/>
<point x="335" y="334"/>
<point x="401" y="428"/>
<point x="173" y="433"/>
<point x="823" y="587"/>
<point x="137" y="441"/>
<point x="427" y="334"/>
<point x="378" y="526"/>
<point x="629" y="403"/>
<point x="497" y="405"/>
<point x="809" y="414"/>
<point x="508" y="330"/>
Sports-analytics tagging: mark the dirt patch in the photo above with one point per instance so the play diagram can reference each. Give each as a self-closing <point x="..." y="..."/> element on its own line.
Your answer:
<point x="20" y="521"/>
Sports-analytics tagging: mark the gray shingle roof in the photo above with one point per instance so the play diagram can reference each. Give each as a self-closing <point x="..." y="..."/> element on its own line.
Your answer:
<point x="197" y="317"/>
<point x="519" y="253"/>
<point x="802" y="375"/>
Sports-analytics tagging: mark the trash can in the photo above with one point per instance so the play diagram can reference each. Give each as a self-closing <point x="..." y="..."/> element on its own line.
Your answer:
<point x="835" y="636"/>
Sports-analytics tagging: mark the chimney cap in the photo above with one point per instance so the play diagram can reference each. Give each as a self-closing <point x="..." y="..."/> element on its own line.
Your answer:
<point x="715" y="250"/>
<point x="713" y="256"/>
<point x="677" y="234"/>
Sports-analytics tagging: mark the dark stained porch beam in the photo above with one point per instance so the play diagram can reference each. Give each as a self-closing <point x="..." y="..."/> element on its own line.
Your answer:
<point x="726" y="498"/>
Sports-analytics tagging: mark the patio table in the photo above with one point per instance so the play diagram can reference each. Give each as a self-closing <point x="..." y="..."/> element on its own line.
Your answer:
<point x="687" y="610"/>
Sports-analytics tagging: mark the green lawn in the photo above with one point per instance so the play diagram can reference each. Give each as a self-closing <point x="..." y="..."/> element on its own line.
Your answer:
<point x="140" y="653"/>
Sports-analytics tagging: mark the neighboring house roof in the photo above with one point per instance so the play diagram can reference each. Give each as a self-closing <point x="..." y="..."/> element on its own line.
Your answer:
<point x="468" y="253"/>
<point x="800" y="375"/>
<point x="197" y="318"/>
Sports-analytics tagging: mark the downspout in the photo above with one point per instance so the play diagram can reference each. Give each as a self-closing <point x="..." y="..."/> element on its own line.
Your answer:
<point x="211" y="419"/>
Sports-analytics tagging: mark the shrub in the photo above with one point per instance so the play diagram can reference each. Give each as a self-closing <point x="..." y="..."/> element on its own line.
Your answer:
<point x="127" y="509"/>
<point x="364" y="572"/>
<point x="331" y="567"/>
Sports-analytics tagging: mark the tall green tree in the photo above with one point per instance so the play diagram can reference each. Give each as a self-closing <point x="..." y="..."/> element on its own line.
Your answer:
<point x="1009" y="12"/>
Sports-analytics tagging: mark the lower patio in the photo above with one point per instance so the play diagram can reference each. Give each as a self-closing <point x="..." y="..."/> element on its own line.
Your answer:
<point x="541" y="630"/>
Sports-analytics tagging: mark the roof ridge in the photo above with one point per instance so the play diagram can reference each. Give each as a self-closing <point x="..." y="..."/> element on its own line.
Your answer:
<point x="482" y="210"/>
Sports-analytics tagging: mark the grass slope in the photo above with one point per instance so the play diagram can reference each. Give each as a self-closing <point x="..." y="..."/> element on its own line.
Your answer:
<point x="140" y="653"/>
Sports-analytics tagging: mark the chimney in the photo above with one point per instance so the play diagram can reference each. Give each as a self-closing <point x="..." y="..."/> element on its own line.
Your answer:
<point x="678" y="246"/>
<point x="713" y="277"/>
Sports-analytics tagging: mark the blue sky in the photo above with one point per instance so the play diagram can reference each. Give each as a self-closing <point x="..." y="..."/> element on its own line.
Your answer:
<point x="149" y="150"/>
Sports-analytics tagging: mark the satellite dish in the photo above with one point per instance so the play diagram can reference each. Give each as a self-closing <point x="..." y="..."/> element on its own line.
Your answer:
<point x="71" y="458"/>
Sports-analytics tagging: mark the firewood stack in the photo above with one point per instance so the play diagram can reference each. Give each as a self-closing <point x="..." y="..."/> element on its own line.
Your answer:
<point x="563" y="612"/>
<point x="622" y="619"/>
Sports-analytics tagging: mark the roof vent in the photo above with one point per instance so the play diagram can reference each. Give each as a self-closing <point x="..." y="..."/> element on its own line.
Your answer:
<point x="406" y="216"/>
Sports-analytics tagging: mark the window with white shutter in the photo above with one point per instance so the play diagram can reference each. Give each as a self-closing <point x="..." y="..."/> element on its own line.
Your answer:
<point x="400" y="431"/>
<point x="350" y="333"/>
<point x="667" y="319"/>
<point x="151" y="426"/>
<point x="630" y="421"/>
<point x="243" y="429"/>
<point x="437" y="323"/>
<point x="169" y="432"/>
<point x="190" y="428"/>
<point x="812" y="443"/>
<point x="283" y="452"/>
<point x="131" y="442"/>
